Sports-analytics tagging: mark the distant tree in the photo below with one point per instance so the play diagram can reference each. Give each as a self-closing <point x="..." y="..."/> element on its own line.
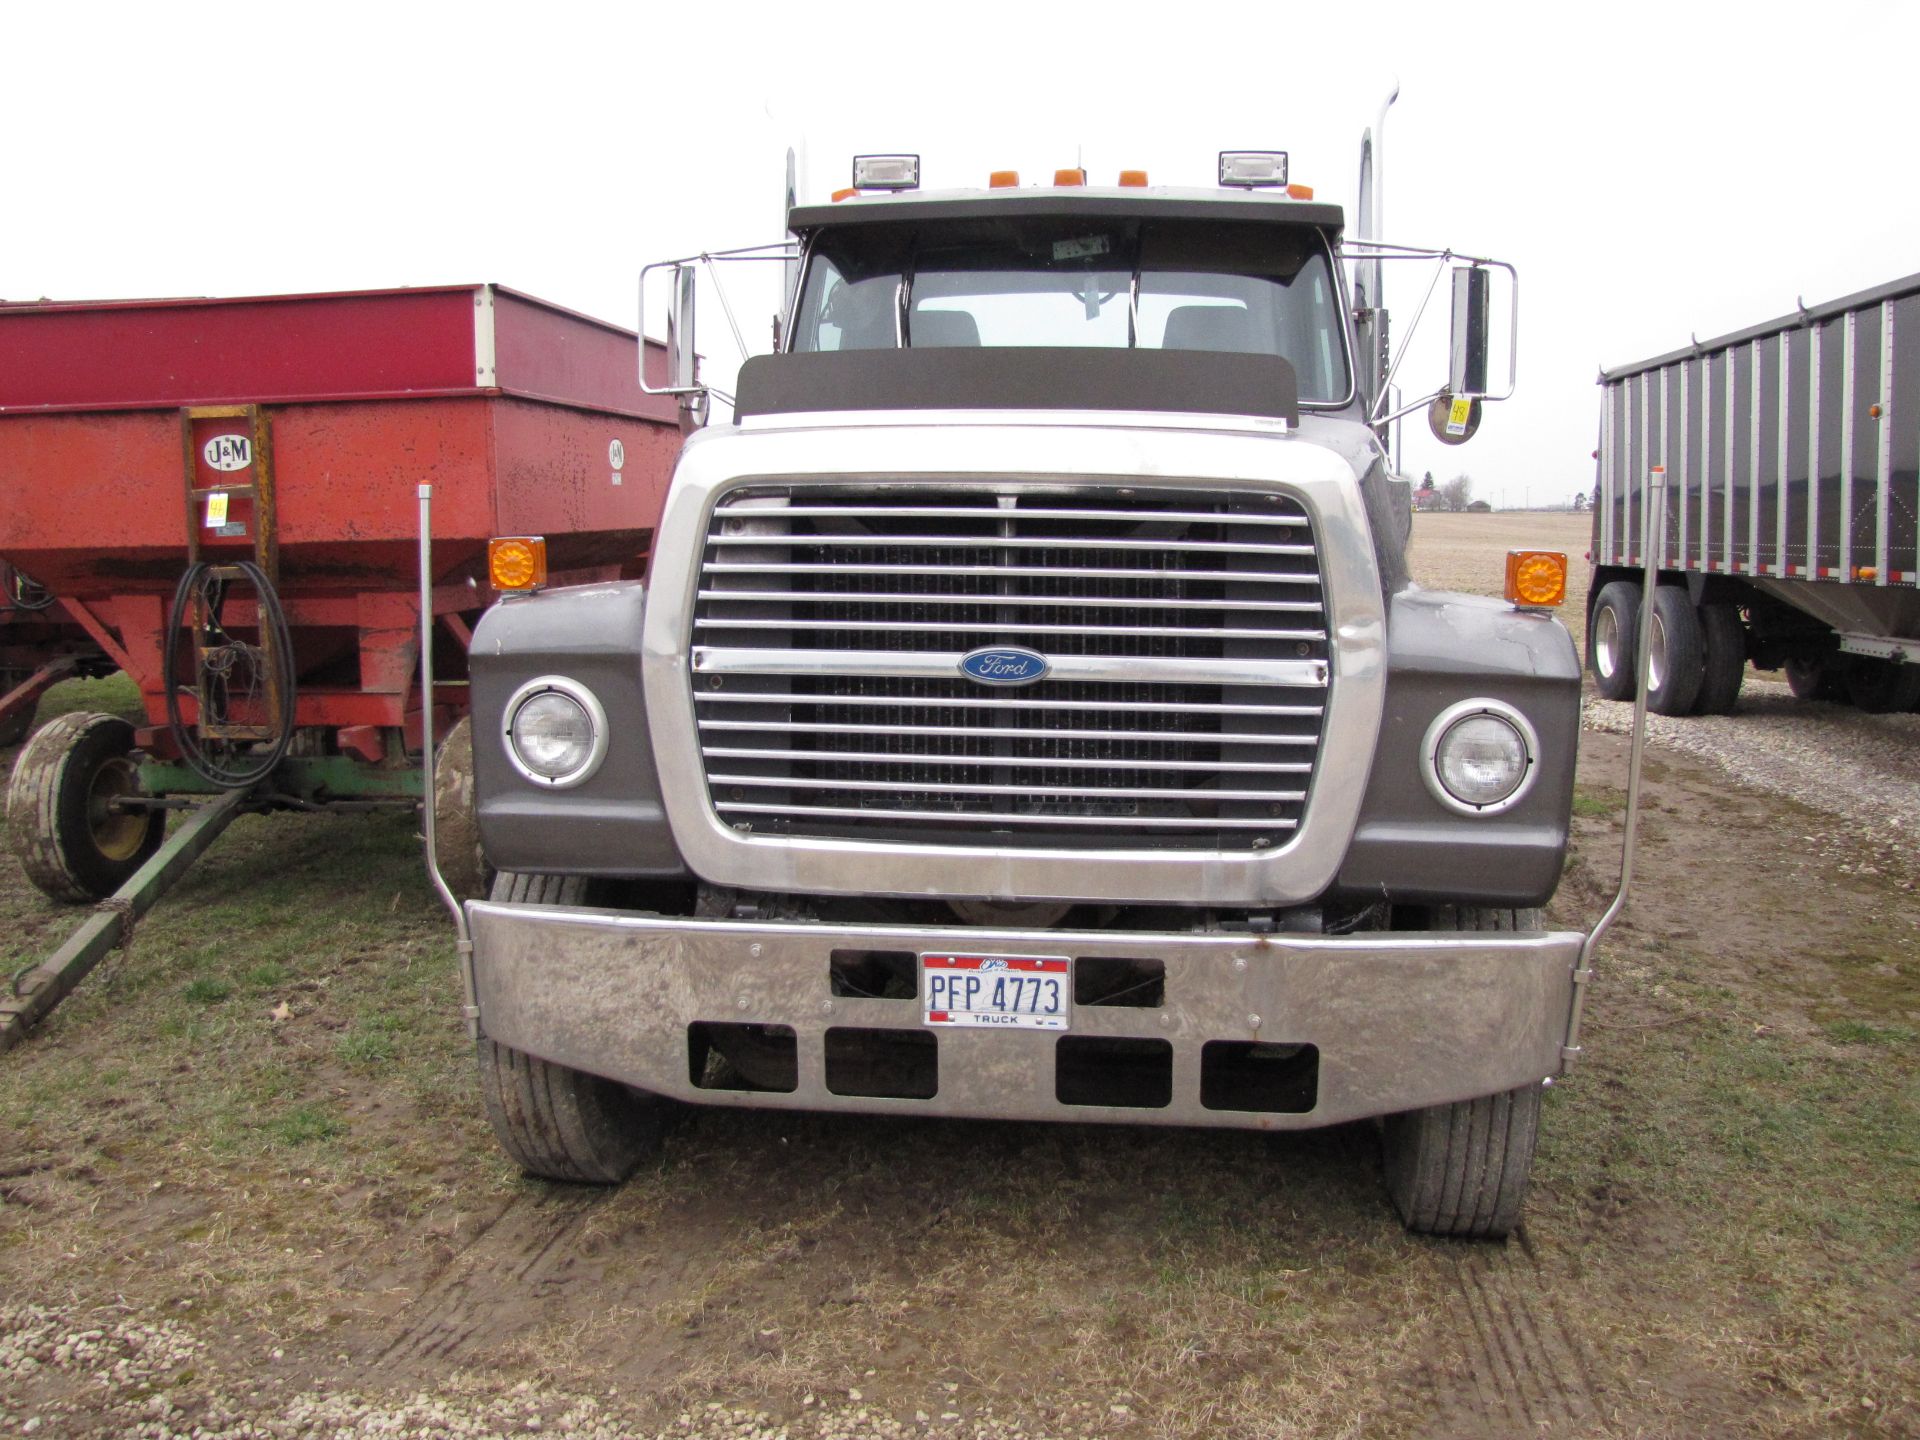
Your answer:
<point x="1580" y="500"/>
<point x="1457" y="493"/>
<point x="1426" y="481"/>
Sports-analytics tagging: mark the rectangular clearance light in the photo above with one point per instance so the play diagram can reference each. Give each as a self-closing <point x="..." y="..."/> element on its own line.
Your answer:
<point x="1250" y="168"/>
<point x="886" y="172"/>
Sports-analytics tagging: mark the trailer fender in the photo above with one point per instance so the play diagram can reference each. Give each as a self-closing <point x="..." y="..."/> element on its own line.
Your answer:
<point x="611" y="823"/>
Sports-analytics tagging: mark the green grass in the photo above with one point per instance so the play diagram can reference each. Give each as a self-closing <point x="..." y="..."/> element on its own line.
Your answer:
<point x="306" y="1125"/>
<point x="1858" y="1032"/>
<point x="1598" y="804"/>
<point x="207" y="991"/>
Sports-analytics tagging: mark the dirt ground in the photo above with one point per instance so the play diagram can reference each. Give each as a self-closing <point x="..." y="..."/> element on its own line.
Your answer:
<point x="245" y="1189"/>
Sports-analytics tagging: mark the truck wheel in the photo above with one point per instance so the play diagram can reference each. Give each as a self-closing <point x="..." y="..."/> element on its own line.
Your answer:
<point x="1616" y="626"/>
<point x="1678" y="662"/>
<point x="554" y="1121"/>
<point x="1725" y="662"/>
<point x="456" y="831"/>
<point x="1881" y="687"/>
<point x="70" y="840"/>
<point x="1462" y="1169"/>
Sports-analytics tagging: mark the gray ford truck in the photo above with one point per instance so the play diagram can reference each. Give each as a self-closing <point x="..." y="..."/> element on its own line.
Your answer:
<point x="1028" y="715"/>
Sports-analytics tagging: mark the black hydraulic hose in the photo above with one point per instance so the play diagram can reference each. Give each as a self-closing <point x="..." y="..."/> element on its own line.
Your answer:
<point x="271" y="614"/>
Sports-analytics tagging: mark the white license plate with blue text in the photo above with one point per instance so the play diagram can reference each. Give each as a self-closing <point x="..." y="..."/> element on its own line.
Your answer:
<point x="1015" y="992"/>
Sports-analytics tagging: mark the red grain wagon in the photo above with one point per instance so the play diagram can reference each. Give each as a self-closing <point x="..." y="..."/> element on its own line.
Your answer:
<point x="223" y="497"/>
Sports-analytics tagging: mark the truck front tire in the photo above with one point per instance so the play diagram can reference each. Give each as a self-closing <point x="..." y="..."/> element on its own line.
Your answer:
<point x="554" y="1121"/>
<point x="1461" y="1170"/>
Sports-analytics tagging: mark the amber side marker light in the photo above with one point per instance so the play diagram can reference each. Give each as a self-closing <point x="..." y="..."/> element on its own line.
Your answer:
<point x="517" y="562"/>
<point x="1536" y="579"/>
<point x="1003" y="179"/>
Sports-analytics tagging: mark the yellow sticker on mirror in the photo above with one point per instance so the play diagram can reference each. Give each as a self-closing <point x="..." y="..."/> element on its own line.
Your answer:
<point x="1458" y="414"/>
<point x="216" y="509"/>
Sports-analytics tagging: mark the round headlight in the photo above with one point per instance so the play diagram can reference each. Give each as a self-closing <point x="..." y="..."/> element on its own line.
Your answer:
<point x="1480" y="756"/>
<point x="556" y="732"/>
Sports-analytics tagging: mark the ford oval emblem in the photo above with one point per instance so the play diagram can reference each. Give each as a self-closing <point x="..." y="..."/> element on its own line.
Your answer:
<point x="1004" y="665"/>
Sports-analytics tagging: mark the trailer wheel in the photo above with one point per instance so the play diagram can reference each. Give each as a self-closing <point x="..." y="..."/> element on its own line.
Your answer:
<point x="552" y="1120"/>
<point x="1881" y="687"/>
<point x="1616" y="625"/>
<point x="1724" y="665"/>
<point x="1677" y="664"/>
<point x="1462" y="1169"/>
<point x="1814" y="680"/>
<point x="70" y="840"/>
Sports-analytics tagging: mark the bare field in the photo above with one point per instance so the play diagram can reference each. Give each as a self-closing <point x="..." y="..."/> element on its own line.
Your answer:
<point x="1469" y="553"/>
<point x="245" y="1189"/>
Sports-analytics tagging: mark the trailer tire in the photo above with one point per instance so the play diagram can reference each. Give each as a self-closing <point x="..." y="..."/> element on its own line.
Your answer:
<point x="552" y="1120"/>
<point x="456" y="829"/>
<point x="1814" y="680"/>
<point x="1724" y="665"/>
<point x="1881" y="687"/>
<point x="71" y="845"/>
<point x="1678" y="663"/>
<point x="1462" y="1169"/>
<point x="1613" y="638"/>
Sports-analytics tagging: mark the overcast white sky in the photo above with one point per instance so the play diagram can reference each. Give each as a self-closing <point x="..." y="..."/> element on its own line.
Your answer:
<point x="1652" y="169"/>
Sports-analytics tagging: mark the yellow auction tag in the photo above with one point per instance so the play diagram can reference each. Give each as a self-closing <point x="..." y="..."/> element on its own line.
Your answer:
<point x="216" y="509"/>
<point x="1458" y="414"/>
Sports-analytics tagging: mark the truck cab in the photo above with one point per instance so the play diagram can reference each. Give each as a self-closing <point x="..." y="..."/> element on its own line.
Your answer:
<point x="1028" y="715"/>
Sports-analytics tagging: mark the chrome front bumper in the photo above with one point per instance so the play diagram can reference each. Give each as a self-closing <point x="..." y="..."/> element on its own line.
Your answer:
<point x="1400" y="1020"/>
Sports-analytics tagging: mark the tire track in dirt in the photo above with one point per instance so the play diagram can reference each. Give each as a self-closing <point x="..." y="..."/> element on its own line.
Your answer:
<point x="1524" y="1372"/>
<point x="494" y="1289"/>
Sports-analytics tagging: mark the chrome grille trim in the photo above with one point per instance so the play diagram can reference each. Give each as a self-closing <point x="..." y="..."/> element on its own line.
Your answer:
<point x="1161" y="732"/>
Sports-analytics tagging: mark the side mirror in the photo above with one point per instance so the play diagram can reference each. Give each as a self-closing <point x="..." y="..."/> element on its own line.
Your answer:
<point x="682" y="359"/>
<point x="1472" y="314"/>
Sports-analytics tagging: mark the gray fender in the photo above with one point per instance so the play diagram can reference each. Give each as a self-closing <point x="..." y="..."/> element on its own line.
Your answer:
<point x="1408" y="847"/>
<point x="613" y="824"/>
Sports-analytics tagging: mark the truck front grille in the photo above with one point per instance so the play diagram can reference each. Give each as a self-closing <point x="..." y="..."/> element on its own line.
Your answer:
<point x="1186" y="631"/>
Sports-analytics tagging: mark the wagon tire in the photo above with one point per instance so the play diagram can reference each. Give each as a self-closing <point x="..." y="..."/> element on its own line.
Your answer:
<point x="1724" y="666"/>
<point x="456" y="827"/>
<point x="1881" y="687"/>
<point x="1461" y="1169"/>
<point x="1613" y="638"/>
<point x="1678" y="663"/>
<point x="71" y="843"/>
<point x="13" y="729"/>
<point x="552" y="1120"/>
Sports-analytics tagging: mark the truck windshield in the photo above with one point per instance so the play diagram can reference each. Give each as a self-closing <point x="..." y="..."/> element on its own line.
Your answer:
<point x="1156" y="285"/>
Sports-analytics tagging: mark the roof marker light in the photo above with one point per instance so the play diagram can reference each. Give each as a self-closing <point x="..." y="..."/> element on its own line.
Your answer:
<point x="847" y="194"/>
<point x="1070" y="177"/>
<point x="1132" y="178"/>
<point x="886" y="172"/>
<point x="1003" y="180"/>
<point x="1299" y="192"/>
<point x="1250" y="168"/>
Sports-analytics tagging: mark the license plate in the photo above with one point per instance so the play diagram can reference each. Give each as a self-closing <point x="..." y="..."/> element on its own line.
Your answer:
<point x="1016" y="992"/>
